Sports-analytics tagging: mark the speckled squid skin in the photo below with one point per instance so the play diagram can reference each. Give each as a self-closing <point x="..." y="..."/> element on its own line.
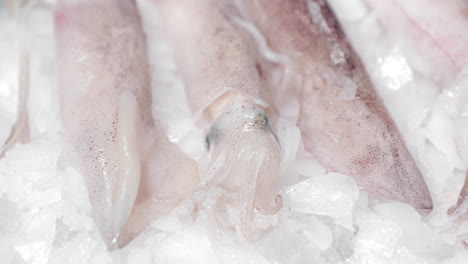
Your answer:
<point x="343" y="122"/>
<point x="102" y="55"/>
<point x="211" y="52"/>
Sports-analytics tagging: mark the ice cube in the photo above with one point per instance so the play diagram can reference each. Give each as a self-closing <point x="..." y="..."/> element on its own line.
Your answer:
<point x="187" y="246"/>
<point x="318" y="233"/>
<point x="377" y="236"/>
<point x="415" y="233"/>
<point x="330" y="194"/>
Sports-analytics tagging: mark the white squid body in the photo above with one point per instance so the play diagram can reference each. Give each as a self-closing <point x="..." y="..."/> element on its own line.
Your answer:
<point x="218" y="64"/>
<point x="344" y="124"/>
<point x="106" y="113"/>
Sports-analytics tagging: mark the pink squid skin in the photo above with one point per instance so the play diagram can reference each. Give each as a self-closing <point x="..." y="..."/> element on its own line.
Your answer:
<point x="102" y="54"/>
<point x="230" y="100"/>
<point x="351" y="135"/>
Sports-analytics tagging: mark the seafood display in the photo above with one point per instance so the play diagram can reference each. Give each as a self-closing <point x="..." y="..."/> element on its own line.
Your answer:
<point x="234" y="131"/>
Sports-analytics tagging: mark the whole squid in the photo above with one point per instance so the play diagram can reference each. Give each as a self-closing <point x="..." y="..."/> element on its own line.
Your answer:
<point x="134" y="174"/>
<point x="230" y="100"/>
<point x="343" y="122"/>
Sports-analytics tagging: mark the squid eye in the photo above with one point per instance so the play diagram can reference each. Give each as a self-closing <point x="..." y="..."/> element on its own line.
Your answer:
<point x="212" y="136"/>
<point x="266" y="123"/>
<point x="207" y="142"/>
<point x="262" y="119"/>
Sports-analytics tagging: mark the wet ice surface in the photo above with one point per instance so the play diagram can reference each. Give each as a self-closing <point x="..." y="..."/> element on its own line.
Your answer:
<point x="44" y="209"/>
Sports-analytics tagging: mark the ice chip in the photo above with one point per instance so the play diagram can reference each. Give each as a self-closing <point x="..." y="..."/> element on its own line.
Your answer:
<point x="441" y="131"/>
<point x="298" y="249"/>
<point x="377" y="236"/>
<point x="319" y="234"/>
<point x="416" y="234"/>
<point x="330" y="194"/>
<point x="187" y="246"/>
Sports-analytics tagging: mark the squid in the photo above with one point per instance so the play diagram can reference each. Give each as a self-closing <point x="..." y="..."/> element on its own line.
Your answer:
<point x="134" y="174"/>
<point x="343" y="122"/>
<point x="231" y="102"/>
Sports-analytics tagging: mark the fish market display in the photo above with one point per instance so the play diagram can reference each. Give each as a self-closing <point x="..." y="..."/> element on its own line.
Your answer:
<point x="233" y="131"/>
